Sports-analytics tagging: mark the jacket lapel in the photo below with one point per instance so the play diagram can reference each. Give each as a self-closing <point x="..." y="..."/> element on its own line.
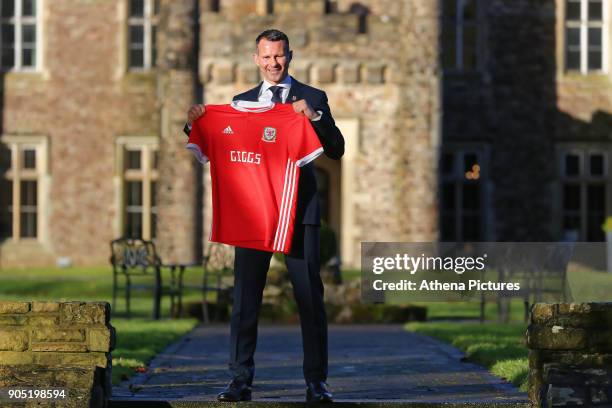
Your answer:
<point x="253" y="94"/>
<point x="295" y="92"/>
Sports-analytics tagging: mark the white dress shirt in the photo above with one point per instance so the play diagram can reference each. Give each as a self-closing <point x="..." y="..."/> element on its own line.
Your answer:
<point x="265" y="94"/>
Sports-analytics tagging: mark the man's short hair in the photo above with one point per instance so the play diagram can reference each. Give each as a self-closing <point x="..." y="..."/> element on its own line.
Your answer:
<point x="272" y="35"/>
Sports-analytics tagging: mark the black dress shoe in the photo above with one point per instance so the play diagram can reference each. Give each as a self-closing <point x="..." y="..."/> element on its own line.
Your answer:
<point x="318" y="392"/>
<point x="236" y="390"/>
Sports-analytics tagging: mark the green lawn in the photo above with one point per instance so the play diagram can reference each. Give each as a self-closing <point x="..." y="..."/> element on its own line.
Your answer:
<point x="590" y="286"/>
<point x="350" y="274"/>
<point x="138" y="339"/>
<point x="470" y="310"/>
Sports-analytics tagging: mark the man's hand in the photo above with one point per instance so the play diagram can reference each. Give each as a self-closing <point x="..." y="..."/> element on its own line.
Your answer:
<point x="195" y="112"/>
<point x="304" y="108"/>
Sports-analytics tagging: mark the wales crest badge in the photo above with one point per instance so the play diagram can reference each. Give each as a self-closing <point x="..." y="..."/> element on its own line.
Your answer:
<point x="269" y="134"/>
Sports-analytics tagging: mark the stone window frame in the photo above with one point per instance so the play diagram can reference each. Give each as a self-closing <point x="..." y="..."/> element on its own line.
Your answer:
<point x="149" y="23"/>
<point x="458" y="178"/>
<point x="459" y="67"/>
<point x="583" y="180"/>
<point x="584" y="24"/>
<point x="148" y="145"/>
<point x="18" y="20"/>
<point x="41" y="174"/>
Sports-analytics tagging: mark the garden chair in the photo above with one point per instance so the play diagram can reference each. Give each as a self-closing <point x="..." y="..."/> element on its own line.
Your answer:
<point x="136" y="259"/>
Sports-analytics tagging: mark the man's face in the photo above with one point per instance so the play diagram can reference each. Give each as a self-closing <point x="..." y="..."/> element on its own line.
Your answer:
<point x="272" y="58"/>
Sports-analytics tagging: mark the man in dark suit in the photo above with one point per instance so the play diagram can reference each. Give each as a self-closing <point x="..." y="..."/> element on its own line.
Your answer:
<point x="273" y="57"/>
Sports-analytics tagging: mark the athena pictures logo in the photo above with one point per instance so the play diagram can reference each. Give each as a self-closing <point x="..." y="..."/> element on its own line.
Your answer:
<point x="269" y="134"/>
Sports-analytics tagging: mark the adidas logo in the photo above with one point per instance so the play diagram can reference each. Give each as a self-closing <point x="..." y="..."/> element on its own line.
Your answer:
<point x="228" y="130"/>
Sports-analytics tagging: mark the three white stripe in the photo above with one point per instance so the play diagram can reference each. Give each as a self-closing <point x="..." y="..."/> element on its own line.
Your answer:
<point x="289" y="188"/>
<point x="282" y="209"/>
<point x="289" y="206"/>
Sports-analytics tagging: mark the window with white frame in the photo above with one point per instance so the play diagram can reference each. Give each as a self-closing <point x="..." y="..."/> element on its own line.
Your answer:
<point x="585" y="187"/>
<point x="20" y="34"/>
<point x="586" y="35"/>
<point x="142" y="34"/>
<point x="138" y="161"/>
<point x="460" y="34"/>
<point x="461" y="196"/>
<point x="23" y="165"/>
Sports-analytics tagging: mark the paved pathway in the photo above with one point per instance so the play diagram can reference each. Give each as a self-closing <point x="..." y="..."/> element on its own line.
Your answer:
<point x="367" y="363"/>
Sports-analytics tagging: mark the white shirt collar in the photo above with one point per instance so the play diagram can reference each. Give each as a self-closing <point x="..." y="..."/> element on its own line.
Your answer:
<point x="286" y="83"/>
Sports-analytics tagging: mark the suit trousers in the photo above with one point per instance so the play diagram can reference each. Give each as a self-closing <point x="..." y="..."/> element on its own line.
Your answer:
<point x="250" y="270"/>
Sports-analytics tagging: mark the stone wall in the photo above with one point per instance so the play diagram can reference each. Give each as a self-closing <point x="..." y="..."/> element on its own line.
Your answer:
<point x="570" y="354"/>
<point x="179" y="225"/>
<point x="522" y="108"/>
<point x="83" y="99"/>
<point x="58" y="344"/>
<point x="506" y="106"/>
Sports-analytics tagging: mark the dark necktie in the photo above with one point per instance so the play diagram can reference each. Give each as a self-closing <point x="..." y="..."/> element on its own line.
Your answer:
<point x="276" y="94"/>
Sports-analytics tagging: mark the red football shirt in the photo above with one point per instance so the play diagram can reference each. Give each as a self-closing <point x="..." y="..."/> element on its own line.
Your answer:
<point x="255" y="151"/>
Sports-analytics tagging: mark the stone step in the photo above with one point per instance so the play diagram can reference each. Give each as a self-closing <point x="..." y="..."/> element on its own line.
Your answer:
<point x="294" y="404"/>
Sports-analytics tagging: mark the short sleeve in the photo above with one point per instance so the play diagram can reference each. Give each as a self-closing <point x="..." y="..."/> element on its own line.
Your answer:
<point x="307" y="146"/>
<point x="197" y="141"/>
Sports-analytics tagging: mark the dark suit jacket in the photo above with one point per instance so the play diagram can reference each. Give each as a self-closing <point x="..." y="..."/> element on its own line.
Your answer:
<point x="308" y="211"/>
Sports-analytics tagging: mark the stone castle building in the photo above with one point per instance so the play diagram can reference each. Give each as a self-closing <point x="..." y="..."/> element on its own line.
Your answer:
<point x="464" y="120"/>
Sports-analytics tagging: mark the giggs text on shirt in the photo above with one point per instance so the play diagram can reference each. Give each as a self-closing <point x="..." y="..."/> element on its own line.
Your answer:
<point x="245" y="157"/>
